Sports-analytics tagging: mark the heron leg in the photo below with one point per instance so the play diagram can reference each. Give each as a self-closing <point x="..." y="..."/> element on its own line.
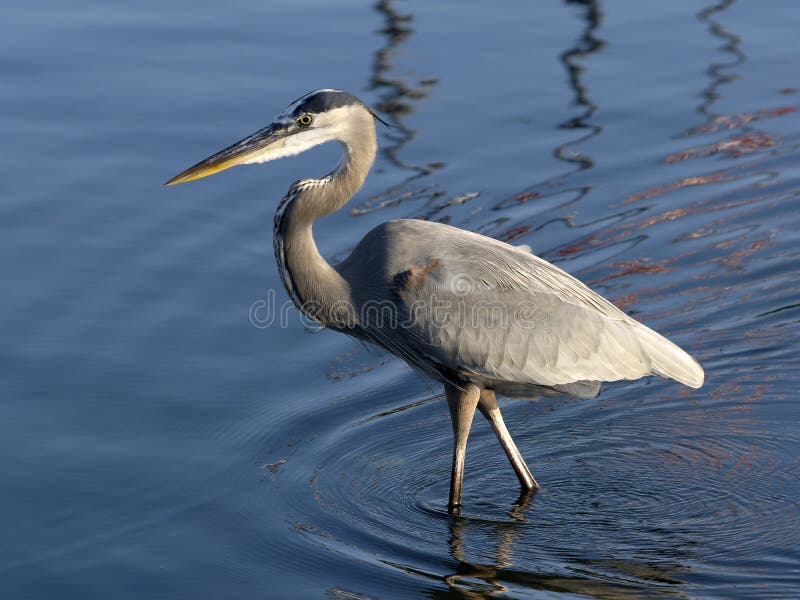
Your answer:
<point x="462" y="404"/>
<point x="489" y="408"/>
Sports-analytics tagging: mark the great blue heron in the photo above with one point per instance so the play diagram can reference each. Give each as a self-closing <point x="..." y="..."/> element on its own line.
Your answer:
<point x="474" y="313"/>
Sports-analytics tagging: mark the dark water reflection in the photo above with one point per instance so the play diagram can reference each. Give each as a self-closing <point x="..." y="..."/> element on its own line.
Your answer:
<point x="158" y="444"/>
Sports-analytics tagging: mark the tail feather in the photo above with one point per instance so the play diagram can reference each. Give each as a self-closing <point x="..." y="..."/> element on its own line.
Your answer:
<point x="668" y="360"/>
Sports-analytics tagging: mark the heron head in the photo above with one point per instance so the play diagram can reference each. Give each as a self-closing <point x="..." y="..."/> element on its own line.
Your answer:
<point x="318" y="117"/>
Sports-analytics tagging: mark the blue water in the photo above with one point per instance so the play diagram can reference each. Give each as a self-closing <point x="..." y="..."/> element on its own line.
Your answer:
<point x="158" y="444"/>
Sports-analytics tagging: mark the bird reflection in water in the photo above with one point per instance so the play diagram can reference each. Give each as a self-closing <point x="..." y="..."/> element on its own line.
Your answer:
<point x="471" y="579"/>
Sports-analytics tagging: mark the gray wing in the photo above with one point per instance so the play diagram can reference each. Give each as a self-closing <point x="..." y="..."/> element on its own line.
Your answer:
<point x="488" y="310"/>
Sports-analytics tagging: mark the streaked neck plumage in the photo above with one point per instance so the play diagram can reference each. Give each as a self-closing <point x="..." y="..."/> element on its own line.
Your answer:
<point x="315" y="287"/>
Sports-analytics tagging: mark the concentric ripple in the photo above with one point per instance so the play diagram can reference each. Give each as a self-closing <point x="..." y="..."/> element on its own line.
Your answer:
<point x="654" y="488"/>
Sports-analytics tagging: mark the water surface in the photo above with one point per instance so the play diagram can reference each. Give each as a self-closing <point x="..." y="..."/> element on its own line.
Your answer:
<point x="159" y="444"/>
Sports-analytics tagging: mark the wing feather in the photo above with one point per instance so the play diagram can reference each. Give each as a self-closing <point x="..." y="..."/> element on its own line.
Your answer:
<point x="511" y="316"/>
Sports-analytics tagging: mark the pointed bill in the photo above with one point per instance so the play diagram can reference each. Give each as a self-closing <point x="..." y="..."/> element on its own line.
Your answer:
<point x="250" y="149"/>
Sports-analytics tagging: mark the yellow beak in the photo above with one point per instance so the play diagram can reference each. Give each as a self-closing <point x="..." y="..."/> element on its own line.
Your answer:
<point x="236" y="154"/>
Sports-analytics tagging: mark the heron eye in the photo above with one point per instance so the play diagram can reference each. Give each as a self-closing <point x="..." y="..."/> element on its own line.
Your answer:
<point x="305" y="120"/>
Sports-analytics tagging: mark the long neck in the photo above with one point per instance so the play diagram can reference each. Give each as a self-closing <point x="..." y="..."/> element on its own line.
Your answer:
<point x="315" y="287"/>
